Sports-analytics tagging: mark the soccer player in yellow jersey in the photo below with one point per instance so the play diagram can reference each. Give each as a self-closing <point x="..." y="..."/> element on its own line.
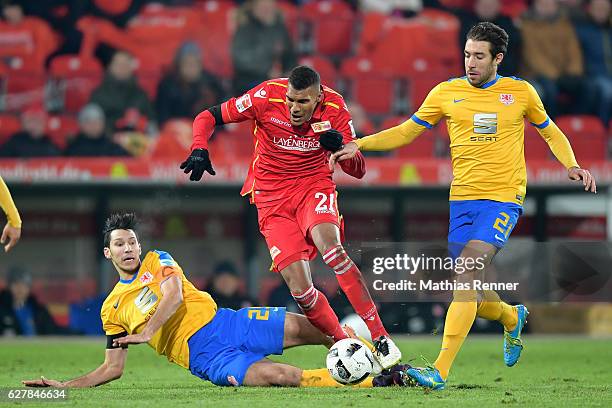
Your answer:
<point x="12" y="229"/>
<point x="154" y="303"/>
<point x="485" y="115"/>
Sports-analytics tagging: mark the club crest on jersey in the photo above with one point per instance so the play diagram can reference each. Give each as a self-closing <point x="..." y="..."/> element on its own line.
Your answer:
<point x="243" y="103"/>
<point x="321" y="126"/>
<point x="261" y="94"/>
<point x="506" y="99"/>
<point x="146" y="277"/>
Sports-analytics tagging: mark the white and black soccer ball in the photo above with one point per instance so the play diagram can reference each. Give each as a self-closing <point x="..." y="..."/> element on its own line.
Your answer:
<point x="349" y="361"/>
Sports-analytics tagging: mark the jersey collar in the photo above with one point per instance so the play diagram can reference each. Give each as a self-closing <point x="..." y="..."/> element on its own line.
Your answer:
<point x="491" y="82"/>
<point x="128" y="281"/>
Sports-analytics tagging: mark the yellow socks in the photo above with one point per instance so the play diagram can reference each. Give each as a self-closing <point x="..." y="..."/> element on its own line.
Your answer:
<point x="493" y="308"/>
<point x="459" y="320"/>
<point x="322" y="378"/>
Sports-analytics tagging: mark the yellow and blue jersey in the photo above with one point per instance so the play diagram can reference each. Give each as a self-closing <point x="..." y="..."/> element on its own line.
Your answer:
<point x="486" y="129"/>
<point x="132" y="302"/>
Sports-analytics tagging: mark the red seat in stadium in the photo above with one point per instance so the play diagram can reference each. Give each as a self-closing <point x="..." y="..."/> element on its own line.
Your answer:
<point x="62" y="128"/>
<point x="324" y="67"/>
<point x="9" y="125"/>
<point x="422" y="147"/>
<point x="217" y="21"/>
<point x="374" y="91"/>
<point x="24" y="86"/>
<point x="325" y="17"/>
<point x="587" y="136"/>
<point x="75" y="78"/>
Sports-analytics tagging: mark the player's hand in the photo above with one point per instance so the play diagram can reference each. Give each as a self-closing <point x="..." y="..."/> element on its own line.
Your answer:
<point x="12" y="234"/>
<point x="43" y="382"/>
<point x="331" y="140"/>
<point x="587" y="178"/>
<point x="197" y="163"/>
<point x="347" y="152"/>
<point x="132" y="339"/>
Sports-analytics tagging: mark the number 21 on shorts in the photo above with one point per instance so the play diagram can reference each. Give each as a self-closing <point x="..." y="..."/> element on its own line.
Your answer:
<point x="502" y="225"/>
<point x="326" y="203"/>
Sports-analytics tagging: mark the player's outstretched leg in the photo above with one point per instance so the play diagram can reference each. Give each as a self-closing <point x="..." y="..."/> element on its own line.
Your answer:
<point x="299" y="331"/>
<point x="266" y="373"/>
<point x="311" y="301"/>
<point x="326" y="237"/>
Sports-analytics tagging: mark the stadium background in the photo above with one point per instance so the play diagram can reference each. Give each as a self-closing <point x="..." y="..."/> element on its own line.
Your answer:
<point x="383" y="63"/>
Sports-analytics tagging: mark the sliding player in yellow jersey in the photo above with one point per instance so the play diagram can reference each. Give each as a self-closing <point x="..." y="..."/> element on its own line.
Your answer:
<point x="154" y="303"/>
<point x="485" y="115"/>
<point x="12" y="229"/>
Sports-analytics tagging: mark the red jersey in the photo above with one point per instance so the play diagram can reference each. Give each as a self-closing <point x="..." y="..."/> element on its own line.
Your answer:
<point x="285" y="155"/>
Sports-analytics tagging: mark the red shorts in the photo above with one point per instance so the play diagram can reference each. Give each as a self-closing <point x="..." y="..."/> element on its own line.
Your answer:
<point x="286" y="222"/>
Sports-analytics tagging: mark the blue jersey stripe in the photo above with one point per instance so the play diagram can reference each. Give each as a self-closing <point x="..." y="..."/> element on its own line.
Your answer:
<point x="543" y="124"/>
<point x="421" y="122"/>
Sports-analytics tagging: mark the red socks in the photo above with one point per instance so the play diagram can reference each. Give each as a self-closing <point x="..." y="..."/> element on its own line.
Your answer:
<point x="316" y="308"/>
<point x="351" y="282"/>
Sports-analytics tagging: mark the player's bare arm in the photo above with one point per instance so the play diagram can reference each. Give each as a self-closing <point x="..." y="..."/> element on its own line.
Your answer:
<point x="588" y="181"/>
<point x="111" y="369"/>
<point x="172" y="297"/>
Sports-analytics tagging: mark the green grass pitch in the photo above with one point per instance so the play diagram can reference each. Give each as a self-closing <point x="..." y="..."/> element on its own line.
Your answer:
<point x="553" y="372"/>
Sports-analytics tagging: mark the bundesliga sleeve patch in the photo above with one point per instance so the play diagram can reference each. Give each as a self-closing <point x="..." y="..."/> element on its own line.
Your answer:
<point x="243" y="103"/>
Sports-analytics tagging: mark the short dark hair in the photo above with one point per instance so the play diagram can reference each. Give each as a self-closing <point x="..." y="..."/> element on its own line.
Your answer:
<point x="494" y="34"/>
<point x="302" y="77"/>
<point x="124" y="221"/>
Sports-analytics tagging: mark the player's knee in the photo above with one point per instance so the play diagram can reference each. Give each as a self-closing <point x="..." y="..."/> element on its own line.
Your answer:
<point x="284" y="376"/>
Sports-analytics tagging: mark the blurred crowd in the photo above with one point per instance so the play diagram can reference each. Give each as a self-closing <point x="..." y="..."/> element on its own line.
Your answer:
<point x="108" y="77"/>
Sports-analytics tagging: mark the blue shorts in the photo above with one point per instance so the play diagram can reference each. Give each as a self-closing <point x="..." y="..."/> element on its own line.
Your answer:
<point x="223" y="350"/>
<point x="483" y="220"/>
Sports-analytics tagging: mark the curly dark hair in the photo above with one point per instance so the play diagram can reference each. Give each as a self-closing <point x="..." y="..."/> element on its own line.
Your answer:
<point x="125" y="221"/>
<point x="493" y="34"/>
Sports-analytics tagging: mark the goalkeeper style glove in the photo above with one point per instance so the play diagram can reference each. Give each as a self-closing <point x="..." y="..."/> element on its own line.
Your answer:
<point x="331" y="140"/>
<point x="197" y="163"/>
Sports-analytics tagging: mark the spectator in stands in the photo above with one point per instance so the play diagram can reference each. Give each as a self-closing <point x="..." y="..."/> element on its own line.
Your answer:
<point x="24" y="40"/>
<point x="188" y="89"/>
<point x="261" y="47"/>
<point x="225" y="287"/>
<point x="32" y="141"/>
<point x="595" y="37"/>
<point x="120" y="92"/>
<point x="573" y="9"/>
<point x="20" y="312"/>
<point x="552" y="58"/>
<point x="490" y="10"/>
<point x="92" y="139"/>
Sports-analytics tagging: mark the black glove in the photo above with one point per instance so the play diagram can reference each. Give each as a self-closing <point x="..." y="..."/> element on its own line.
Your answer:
<point x="197" y="163"/>
<point x="331" y="140"/>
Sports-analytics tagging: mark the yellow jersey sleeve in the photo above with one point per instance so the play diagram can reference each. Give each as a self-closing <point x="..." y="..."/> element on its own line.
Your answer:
<point x="535" y="113"/>
<point x="430" y="112"/>
<point x="110" y="327"/>
<point x="7" y="204"/>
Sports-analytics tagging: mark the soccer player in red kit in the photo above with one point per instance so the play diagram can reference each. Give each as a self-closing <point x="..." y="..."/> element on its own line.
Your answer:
<point x="298" y="123"/>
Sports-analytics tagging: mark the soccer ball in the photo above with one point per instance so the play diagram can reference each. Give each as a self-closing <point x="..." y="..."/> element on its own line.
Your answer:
<point x="349" y="361"/>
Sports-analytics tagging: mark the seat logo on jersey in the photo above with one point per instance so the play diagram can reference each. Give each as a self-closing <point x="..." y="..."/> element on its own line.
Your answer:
<point x="261" y="94"/>
<point x="506" y="99"/>
<point x="485" y="123"/>
<point x="146" y="277"/>
<point x="321" y="126"/>
<point x="243" y="103"/>
<point x="145" y="300"/>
